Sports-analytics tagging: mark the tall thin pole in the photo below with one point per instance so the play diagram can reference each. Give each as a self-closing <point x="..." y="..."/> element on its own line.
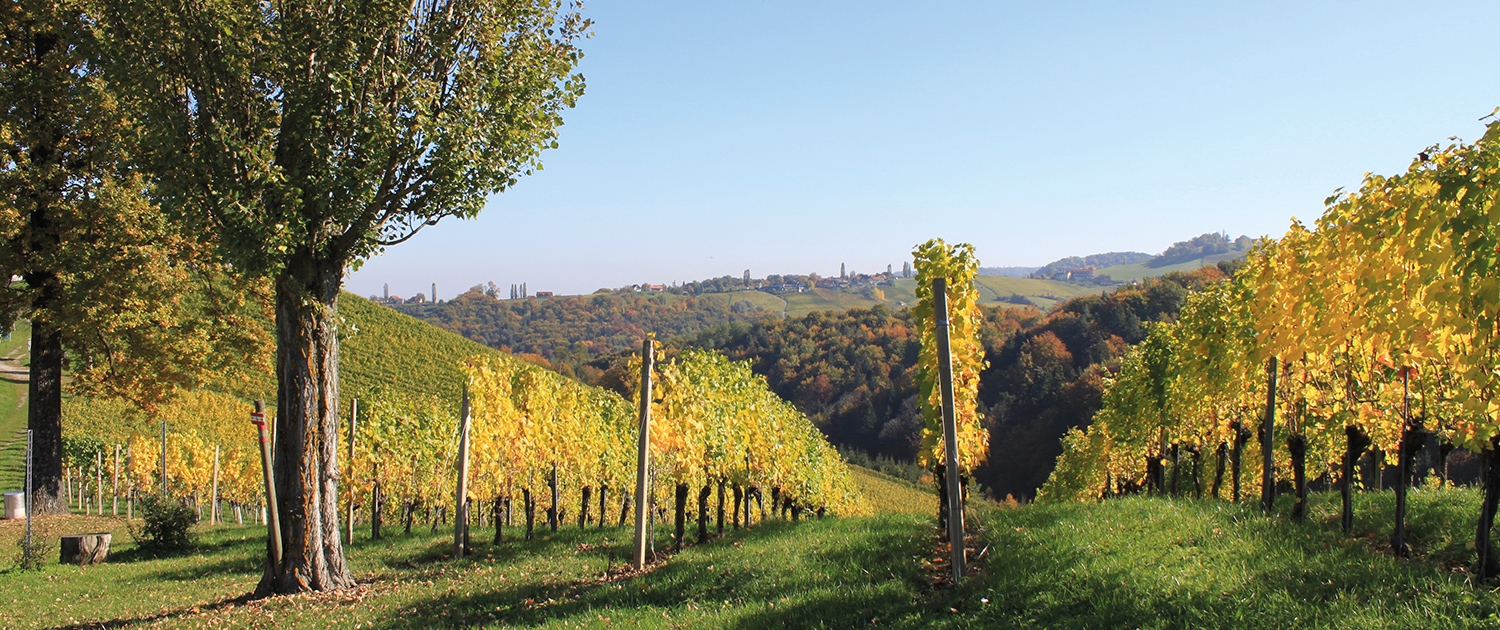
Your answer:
<point x="353" y="424"/>
<point x="1268" y="442"/>
<point x="29" y="477"/>
<point x="163" y="459"/>
<point x="213" y="497"/>
<point x="98" y="482"/>
<point x="460" y="502"/>
<point x="273" y="538"/>
<point x="950" y="428"/>
<point x="115" y="487"/>
<point x="643" y="457"/>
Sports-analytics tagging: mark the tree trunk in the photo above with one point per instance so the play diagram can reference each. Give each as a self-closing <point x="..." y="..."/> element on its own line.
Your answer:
<point x="775" y="503"/>
<point x="44" y="418"/>
<point x="1220" y="458"/>
<point x="739" y="503"/>
<point x="530" y="506"/>
<point x="760" y="505"/>
<point x="583" y="508"/>
<point x="307" y="422"/>
<point x="703" y="496"/>
<point x="681" y="514"/>
<point x="497" y="512"/>
<point x="1297" y="446"/>
<point x="719" y="522"/>
<point x="377" y="511"/>
<point x="624" y="509"/>
<point x="1488" y="564"/>
<point x="1355" y="443"/>
<point x="603" y="512"/>
<point x="1235" y="457"/>
<point x="1197" y="472"/>
<point x="1176" y="467"/>
<point x="1412" y="439"/>
<point x="1444" y="448"/>
<point x="1268" y="441"/>
<point x="411" y="515"/>
<point x="552" y="515"/>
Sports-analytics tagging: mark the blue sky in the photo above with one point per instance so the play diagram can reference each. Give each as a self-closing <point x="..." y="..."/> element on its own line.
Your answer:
<point x="788" y="137"/>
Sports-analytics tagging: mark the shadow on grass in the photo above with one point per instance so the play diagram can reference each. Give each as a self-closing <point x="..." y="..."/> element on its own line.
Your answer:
<point x="836" y="582"/>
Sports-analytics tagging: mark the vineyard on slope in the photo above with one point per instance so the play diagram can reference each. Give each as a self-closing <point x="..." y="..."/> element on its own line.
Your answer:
<point x="1374" y="329"/>
<point x="717" y="425"/>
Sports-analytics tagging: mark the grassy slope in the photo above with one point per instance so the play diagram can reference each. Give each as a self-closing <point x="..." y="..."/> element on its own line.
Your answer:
<point x="1138" y="271"/>
<point x="13" y="413"/>
<point x="1135" y="562"/>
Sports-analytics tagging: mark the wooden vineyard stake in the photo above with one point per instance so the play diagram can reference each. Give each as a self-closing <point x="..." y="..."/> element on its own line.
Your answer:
<point x="269" y="513"/>
<point x="213" y="496"/>
<point x="163" y="459"/>
<point x="26" y="548"/>
<point x="353" y="425"/>
<point x="460" y="504"/>
<point x="643" y="457"/>
<point x="99" y="483"/>
<point x="950" y="429"/>
<point x="1268" y="442"/>
<point x="115" y="486"/>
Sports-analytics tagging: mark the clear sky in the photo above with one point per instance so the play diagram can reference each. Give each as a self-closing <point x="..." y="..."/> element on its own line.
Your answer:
<point x="788" y="137"/>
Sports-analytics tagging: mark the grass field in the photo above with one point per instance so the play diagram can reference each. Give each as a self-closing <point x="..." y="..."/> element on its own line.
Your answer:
<point x="1139" y="271"/>
<point x="13" y="356"/>
<point x="1135" y="562"/>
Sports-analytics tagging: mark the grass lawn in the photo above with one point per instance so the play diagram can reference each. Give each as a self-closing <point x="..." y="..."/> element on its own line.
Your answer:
<point x="1135" y="562"/>
<point x="13" y="411"/>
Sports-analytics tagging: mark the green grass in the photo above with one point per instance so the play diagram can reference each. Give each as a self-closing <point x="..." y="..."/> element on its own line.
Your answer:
<point x="798" y="304"/>
<point x="13" y="410"/>
<point x="1134" y="562"/>
<point x="1139" y="271"/>
<point x="768" y="302"/>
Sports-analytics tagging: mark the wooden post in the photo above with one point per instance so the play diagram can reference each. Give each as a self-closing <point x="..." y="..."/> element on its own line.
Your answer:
<point x="213" y="495"/>
<point x="353" y="425"/>
<point x="643" y="456"/>
<point x="269" y="513"/>
<point x="950" y="428"/>
<point x="163" y="459"/>
<point x="115" y="487"/>
<point x="99" y="483"/>
<point x="1267" y="442"/>
<point x="460" y="502"/>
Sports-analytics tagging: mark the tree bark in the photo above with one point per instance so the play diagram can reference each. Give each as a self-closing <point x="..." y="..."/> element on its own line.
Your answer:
<point x="603" y="511"/>
<point x="1488" y="564"/>
<point x="739" y="504"/>
<point x="1268" y="441"/>
<point x="44" y="418"/>
<point x="624" y="509"/>
<point x="307" y="470"/>
<point x="681" y="514"/>
<point x="1412" y="439"/>
<point x="1236" y="456"/>
<point x="552" y="515"/>
<point x="1297" y="446"/>
<point x="719" y="522"/>
<point x="530" y="508"/>
<point x="1176" y="466"/>
<point x="377" y="511"/>
<point x="497" y="514"/>
<point x="583" y="508"/>
<point x="704" y="494"/>
<point x="1221" y="457"/>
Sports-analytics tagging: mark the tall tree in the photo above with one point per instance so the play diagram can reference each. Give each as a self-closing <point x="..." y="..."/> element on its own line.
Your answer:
<point x="311" y="134"/>
<point x="114" y="291"/>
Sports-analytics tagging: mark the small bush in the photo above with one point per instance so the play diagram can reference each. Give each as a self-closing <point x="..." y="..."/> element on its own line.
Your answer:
<point x="167" y="525"/>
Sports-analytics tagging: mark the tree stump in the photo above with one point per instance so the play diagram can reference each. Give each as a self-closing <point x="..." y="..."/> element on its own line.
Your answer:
<point x="85" y="549"/>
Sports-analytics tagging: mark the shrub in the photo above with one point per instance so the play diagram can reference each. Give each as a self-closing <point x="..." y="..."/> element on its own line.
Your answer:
<point x="168" y="524"/>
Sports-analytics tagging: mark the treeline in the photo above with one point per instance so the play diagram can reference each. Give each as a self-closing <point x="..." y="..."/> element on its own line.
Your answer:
<point x="566" y="333"/>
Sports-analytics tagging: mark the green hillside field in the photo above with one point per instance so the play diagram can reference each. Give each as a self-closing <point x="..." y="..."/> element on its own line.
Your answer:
<point x="1133" y="562"/>
<point x="1139" y="271"/>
